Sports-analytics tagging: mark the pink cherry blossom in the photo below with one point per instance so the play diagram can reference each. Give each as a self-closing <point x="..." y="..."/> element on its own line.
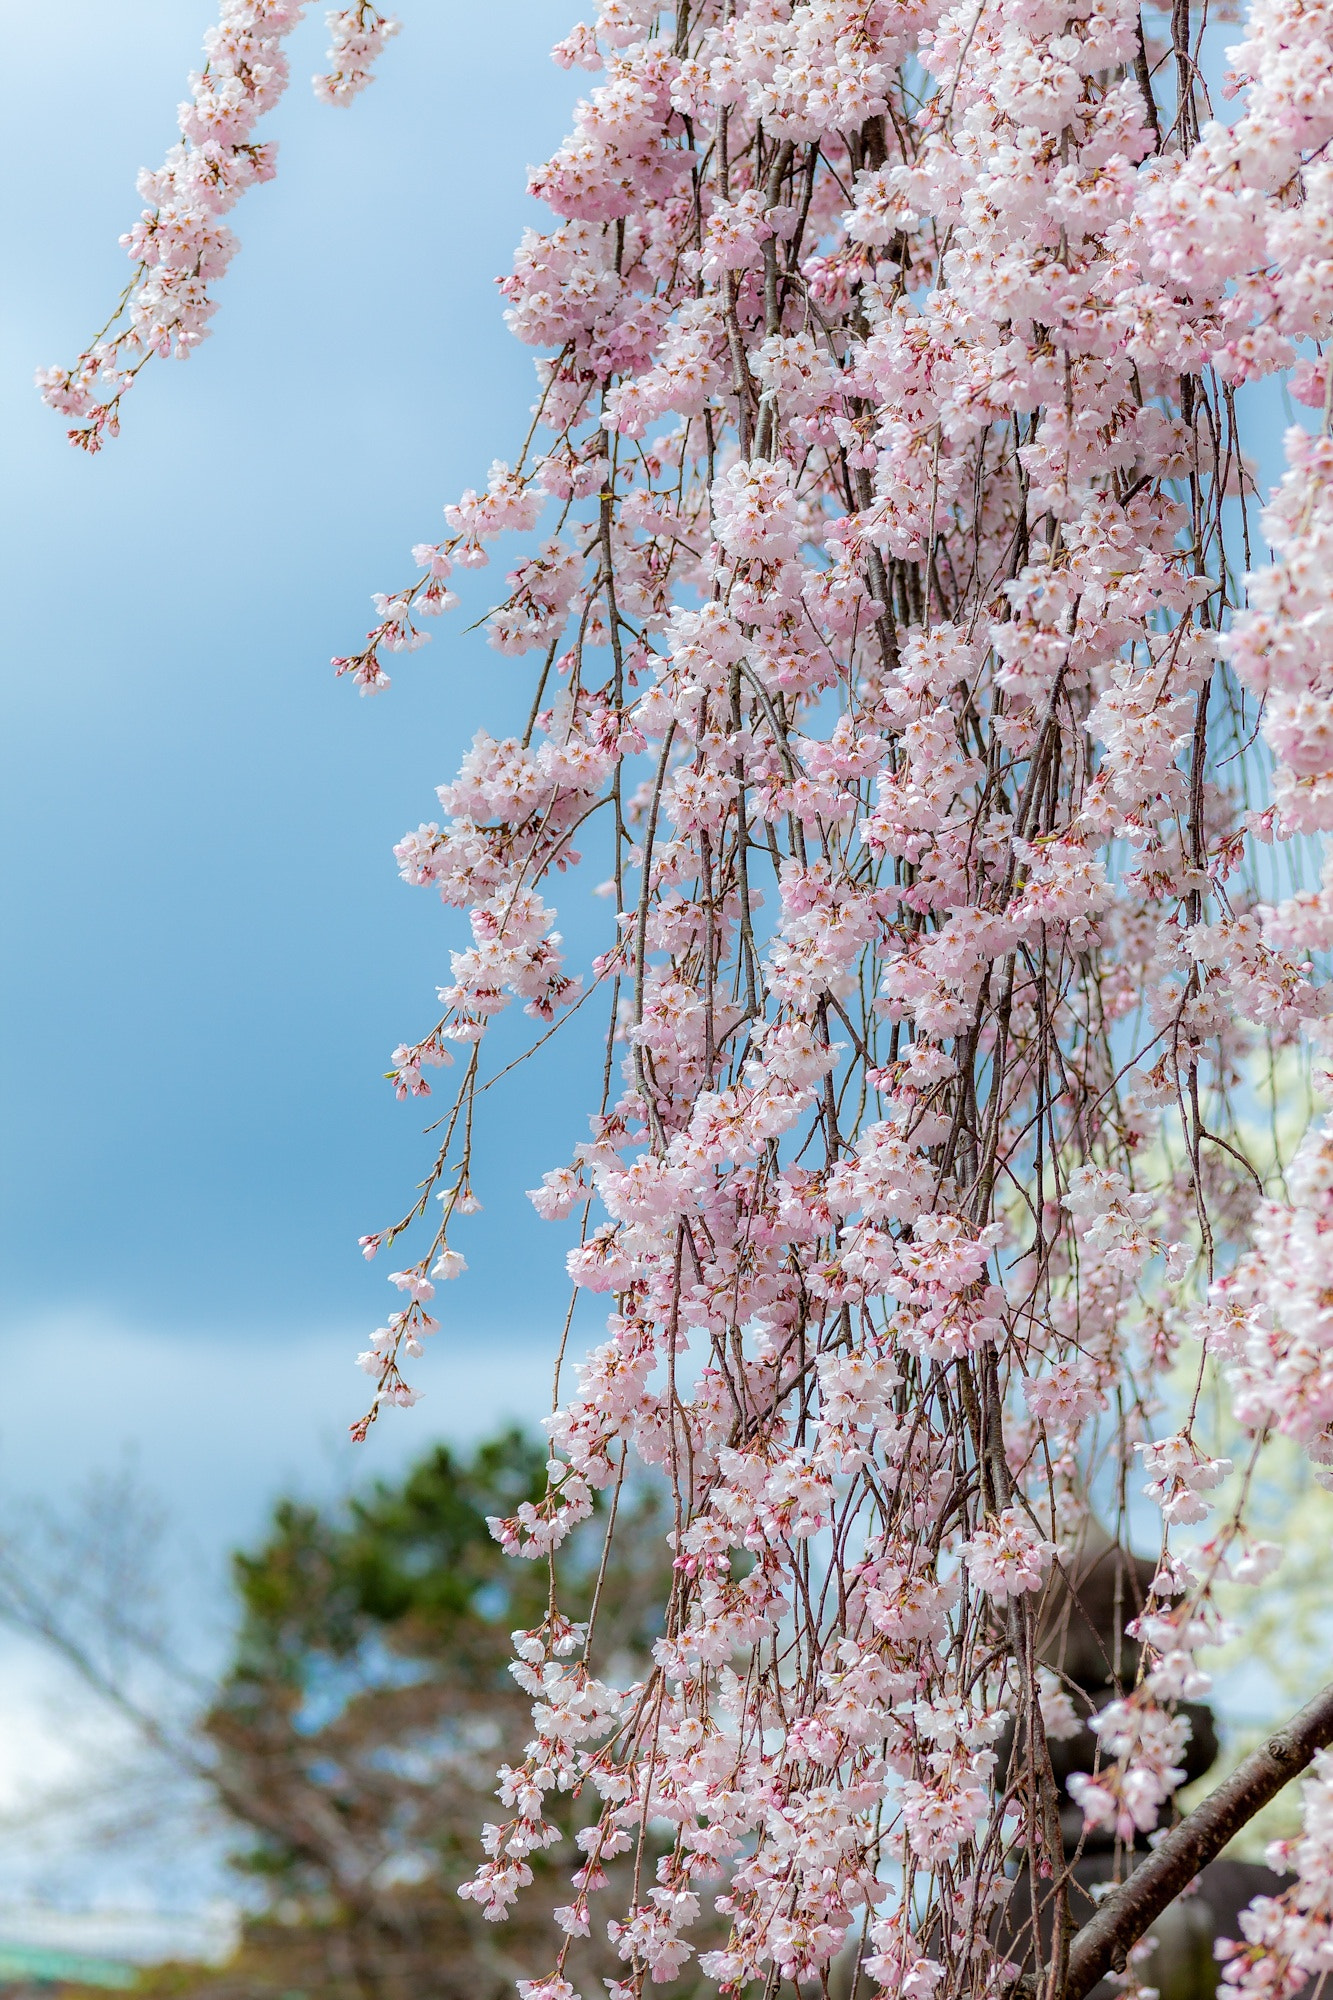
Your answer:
<point x="886" y="578"/>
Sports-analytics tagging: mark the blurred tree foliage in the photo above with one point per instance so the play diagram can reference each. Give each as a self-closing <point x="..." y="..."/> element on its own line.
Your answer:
<point x="356" y="1736"/>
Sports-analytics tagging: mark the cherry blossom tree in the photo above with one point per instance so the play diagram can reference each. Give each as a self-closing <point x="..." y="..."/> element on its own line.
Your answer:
<point x="903" y="644"/>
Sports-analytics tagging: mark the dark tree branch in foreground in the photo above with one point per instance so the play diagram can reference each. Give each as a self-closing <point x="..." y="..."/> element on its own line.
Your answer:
<point x="1103" y="1943"/>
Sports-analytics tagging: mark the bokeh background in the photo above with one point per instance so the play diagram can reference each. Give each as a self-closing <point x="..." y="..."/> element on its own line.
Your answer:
<point x="207" y="953"/>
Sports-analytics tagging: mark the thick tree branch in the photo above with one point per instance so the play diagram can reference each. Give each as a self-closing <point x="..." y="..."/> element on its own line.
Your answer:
<point x="1124" y="1917"/>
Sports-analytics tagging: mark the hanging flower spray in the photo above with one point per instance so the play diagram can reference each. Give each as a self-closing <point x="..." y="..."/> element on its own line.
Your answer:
<point x="886" y="531"/>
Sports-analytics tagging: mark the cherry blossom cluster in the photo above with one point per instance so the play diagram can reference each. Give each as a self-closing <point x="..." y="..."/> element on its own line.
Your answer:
<point x="180" y="243"/>
<point x="877" y="563"/>
<point x="1289" y="1938"/>
<point x="1274" y="1310"/>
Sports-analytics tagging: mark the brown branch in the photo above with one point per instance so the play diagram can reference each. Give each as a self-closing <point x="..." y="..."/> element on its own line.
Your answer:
<point x="1123" y="1918"/>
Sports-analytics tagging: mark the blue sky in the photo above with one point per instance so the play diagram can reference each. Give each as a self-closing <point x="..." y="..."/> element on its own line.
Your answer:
<point x="208" y="954"/>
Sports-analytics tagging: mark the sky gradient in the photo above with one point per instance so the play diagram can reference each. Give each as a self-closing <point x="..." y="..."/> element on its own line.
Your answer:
<point x="208" y="954"/>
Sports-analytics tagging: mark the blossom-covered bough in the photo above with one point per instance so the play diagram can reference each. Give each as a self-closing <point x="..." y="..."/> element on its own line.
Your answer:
<point x="884" y="581"/>
<point x="180" y="243"/>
